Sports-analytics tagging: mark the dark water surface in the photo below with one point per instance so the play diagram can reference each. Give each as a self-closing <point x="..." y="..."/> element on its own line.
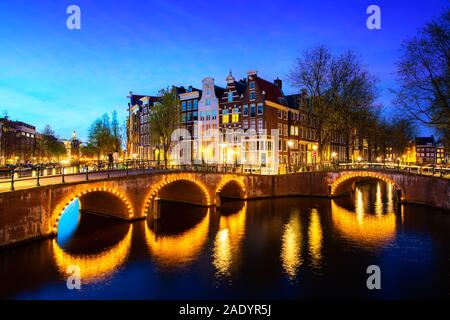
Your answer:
<point x="288" y="248"/>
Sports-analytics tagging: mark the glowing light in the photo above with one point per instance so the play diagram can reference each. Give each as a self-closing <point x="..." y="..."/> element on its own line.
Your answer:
<point x="227" y="242"/>
<point x="364" y="229"/>
<point x="178" y="251"/>
<point x="315" y="238"/>
<point x="60" y="209"/>
<point x="94" y="267"/>
<point x="291" y="242"/>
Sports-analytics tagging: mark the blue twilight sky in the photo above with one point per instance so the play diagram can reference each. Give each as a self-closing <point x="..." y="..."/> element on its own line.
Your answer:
<point x="67" y="78"/>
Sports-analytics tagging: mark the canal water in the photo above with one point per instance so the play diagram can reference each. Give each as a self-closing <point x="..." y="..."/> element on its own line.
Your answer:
<point x="286" y="248"/>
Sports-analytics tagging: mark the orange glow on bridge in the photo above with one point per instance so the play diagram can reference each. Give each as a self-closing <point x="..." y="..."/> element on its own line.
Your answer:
<point x="360" y="174"/>
<point x="60" y="209"/>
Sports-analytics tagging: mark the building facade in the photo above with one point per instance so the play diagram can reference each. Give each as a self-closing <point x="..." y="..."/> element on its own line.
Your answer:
<point x="425" y="150"/>
<point x="18" y="142"/>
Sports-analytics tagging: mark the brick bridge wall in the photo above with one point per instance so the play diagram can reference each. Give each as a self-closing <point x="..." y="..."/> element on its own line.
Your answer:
<point x="33" y="213"/>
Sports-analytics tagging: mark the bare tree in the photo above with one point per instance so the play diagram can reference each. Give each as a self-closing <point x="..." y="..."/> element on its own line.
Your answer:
<point x="424" y="75"/>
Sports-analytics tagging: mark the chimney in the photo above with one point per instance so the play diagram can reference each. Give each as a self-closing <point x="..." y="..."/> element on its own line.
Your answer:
<point x="278" y="83"/>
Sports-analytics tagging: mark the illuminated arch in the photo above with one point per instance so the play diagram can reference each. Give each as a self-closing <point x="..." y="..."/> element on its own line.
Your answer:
<point x="94" y="267"/>
<point x="154" y="191"/>
<point x="64" y="204"/>
<point x="361" y="174"/>
<point x="227" y="180"/>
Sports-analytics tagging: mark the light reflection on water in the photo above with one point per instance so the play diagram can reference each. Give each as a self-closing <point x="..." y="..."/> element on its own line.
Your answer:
<point x="291" y="247"/>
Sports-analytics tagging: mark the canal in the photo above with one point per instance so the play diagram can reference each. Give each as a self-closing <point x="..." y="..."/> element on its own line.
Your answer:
<point x="286" y="248"/>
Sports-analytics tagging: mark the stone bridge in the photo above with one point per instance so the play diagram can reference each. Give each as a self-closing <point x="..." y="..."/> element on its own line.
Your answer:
<point x="35" y="212"/>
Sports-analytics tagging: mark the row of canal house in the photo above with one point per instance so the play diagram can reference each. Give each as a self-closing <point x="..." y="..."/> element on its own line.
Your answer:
<point x="280" y="129"/>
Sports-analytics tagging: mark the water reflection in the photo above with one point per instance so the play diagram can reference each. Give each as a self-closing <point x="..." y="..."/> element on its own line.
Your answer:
<point x="94" y="267"/>
<point x="291" y="244"/>
<point x="315" y="238"/>
<point x="362" y="225"/>
<point x="177" y="250"/>
<point x="228" y="238"/>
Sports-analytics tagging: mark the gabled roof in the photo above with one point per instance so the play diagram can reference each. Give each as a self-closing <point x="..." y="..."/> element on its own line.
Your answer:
<point x="272" y="92"/>
<point x="240" y="87"/>
<point x="422" y="141"/>
<point x="293" y="100"/>
<point x="219" y="91"/>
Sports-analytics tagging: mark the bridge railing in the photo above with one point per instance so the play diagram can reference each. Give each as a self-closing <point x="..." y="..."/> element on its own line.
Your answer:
<point x="53" y="174"/>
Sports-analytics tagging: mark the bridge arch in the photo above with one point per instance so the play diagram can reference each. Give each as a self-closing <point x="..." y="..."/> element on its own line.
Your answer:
<point x="179" y="189"/>
<point x="232" y="187"/>
<point x="116" y="201"/>
<point x="342" y="181"/>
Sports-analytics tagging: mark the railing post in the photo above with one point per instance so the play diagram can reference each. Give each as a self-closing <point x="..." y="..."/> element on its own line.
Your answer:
<point x="62" y="172"/>
<point x="87" y="173"/>
<point x="38" y="176"/>
<point x="12" y="180"/>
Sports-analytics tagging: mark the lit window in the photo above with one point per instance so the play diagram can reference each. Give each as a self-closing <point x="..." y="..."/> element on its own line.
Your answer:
<point x="235" y="115"/>
<point x="225" y="117"/>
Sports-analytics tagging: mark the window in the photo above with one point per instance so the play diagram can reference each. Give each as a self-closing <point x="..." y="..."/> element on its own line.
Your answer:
<point x="252" y="110"/>
<point x="196" y="104"/>
<point x="252" y="85"/>
<point x="225" y="117"/>
<point x="245" y="110"/>
<point x="189" y="105"/>
<point x="195" y="116"/>
<point x="280" y="128"/>
<point x="208" y="102"/>
<point x="230" y="96"/>
<point x="280" y="114"/>
<point x="183" y="117"/>
<point x="260" y="108"/>
<point x="253" y="124"/>
<point x="285" y="129"/>
<point x="235" y="115"/>
<point x="285" y="115"/>
<point x="252" y="96"/>
<point x="183" y="106"/>
<point x="260" y="125"/>
<point x="189" y="116"/>
<point x="214" y="115"/>
<point x="202" y="115"/>
<point x="245" y="124"/>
